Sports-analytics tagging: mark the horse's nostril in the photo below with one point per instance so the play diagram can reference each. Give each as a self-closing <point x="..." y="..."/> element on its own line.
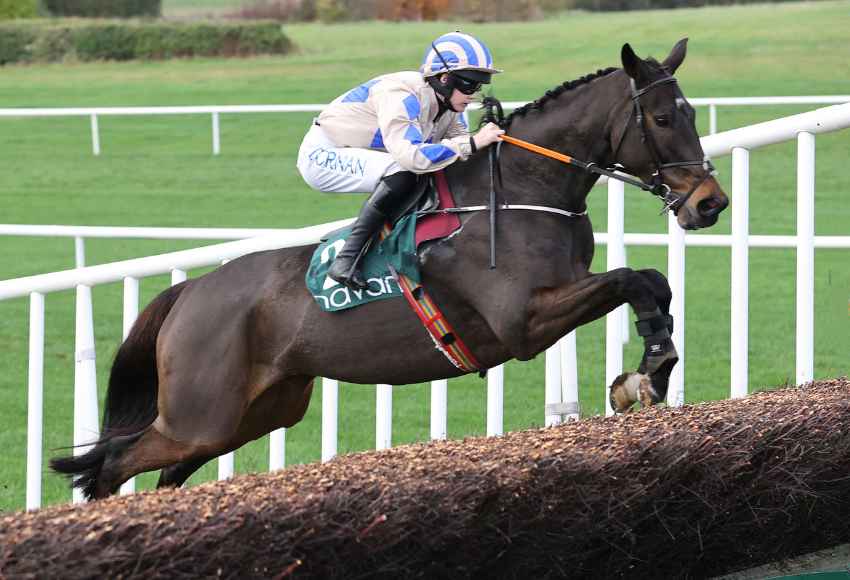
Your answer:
<point x="711" y="206"/>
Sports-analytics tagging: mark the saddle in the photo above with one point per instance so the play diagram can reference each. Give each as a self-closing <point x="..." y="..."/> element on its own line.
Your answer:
<point x="399" y="242"/>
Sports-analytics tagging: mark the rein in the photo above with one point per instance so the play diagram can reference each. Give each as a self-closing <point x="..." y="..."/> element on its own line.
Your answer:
<point x="587" y="166"/>
<point x="673" y="201"/>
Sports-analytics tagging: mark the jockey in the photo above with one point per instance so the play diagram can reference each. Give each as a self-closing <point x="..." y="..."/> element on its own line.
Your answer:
<point x="380" y="136"/>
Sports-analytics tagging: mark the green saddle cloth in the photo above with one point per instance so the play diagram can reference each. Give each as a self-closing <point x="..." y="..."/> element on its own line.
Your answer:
<point x="397" y="250"/>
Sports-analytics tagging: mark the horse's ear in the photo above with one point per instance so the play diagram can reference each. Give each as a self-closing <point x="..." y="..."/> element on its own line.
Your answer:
<point x="676" y="56"/>
<point x="631" y="62"/>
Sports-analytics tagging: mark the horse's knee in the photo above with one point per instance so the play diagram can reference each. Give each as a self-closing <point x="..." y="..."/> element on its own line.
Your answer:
<point x="660" y="287"/>
<point x="635" y="289"/>
<point x="622" y="279"/>
<point x="654" y="275"/>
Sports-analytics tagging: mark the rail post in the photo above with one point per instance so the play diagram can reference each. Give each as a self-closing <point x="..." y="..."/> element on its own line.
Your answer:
<point x="615" y="257"/>
<point x="95" y="135"/>
<point x="330" y="418"/>
<point x="79" y="252"/>
<point x="383" y="416"/>
<point x="496" y="400"/>
<point x="131" y="312"/>
<point x="277" y="449"/>
<point x="552" y="415"/>
<point x="805" y="256"/>
<point x="569" y="377"/>
<point x="676" y="278"/>
<point x="439" y="408"/>
<point x="712" y="119"/>
<point x="35" y="401"/>
<point x="216" y="134"/>
<point x="86" y="428"/>
<point x="740" y="271"/>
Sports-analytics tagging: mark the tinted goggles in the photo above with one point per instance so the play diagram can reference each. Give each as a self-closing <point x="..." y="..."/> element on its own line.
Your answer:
<point x="466" y="86"/>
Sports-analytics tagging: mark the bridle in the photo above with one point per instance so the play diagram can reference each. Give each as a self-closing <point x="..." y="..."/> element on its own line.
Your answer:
<point x="673" y="201"/>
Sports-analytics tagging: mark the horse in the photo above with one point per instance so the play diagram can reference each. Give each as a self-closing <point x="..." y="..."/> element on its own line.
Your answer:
<point x="220" y="360"/>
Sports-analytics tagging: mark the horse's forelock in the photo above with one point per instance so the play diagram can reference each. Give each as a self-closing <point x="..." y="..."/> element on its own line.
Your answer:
<point x="657" y="67"/>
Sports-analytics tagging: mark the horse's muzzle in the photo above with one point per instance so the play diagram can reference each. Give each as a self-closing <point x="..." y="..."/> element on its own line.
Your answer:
<point x="704" y="206"/>
<point x="712" y="206"/>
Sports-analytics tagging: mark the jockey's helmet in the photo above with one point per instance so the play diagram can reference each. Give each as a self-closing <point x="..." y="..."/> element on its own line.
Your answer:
<point x="464" y="57"/>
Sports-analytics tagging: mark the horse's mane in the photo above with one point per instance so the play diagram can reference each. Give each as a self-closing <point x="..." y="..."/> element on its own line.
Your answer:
<point x="570" y="85"/>
<point x="555" y="93"/>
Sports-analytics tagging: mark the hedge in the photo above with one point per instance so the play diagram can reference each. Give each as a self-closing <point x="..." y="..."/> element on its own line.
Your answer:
<point x="18" y="9"/>
<point x="47" y="41"/>
<point x="104" y="8"/>
<point x="690" y="492"/>
<point x="464" y="10"/>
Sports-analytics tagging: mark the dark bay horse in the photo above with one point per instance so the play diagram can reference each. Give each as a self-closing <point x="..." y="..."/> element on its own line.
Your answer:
<point x="225" y="358"/>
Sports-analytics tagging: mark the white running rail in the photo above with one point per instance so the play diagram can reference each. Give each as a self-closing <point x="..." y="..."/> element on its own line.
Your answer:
<point x="215" y="111"/>
<point x="561" y="387"/>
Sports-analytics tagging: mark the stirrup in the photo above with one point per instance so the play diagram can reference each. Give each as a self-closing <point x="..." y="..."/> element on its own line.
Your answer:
<point x="352" y="277"/>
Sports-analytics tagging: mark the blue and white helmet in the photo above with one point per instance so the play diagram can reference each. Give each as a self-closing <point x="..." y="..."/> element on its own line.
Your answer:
<point x="459" y="51"/>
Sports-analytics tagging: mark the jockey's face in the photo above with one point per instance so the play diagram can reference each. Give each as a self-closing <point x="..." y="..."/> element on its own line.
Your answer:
<point x="458" y="101"/>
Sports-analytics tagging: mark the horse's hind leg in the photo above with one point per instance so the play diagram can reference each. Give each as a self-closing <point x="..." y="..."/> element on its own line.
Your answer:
<point x="145" y="451"/>
<point x="280" y="405"/>
<point x="177" y="474"/>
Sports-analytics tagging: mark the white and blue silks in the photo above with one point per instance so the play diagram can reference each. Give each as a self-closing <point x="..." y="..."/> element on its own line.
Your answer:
<point x="378" y="128"/>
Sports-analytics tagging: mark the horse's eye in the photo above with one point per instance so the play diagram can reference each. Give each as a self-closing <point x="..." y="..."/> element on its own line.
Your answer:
<point x="662" y="121"/>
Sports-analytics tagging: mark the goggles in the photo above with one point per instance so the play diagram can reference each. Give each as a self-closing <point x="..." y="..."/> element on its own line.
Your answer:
<point x="466" y="86"/>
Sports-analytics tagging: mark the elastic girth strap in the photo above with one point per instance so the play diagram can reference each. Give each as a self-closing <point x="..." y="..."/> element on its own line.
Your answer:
<point x="441" y="332"/>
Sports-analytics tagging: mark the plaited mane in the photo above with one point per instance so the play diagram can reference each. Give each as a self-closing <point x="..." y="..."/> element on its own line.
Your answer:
<point x="555" y="93"/>
<point x="570" y="85"/>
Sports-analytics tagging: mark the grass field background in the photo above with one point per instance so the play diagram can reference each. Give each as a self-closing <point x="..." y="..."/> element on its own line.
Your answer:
<point x="158" y="171"/>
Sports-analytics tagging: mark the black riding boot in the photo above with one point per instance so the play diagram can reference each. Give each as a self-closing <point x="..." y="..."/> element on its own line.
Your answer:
<point x="389" y="196"/>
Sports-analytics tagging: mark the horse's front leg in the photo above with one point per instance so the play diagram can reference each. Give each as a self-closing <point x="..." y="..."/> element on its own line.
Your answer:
<point x="556" y="311"/>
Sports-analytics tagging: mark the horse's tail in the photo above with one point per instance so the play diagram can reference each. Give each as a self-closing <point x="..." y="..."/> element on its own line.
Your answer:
<point x="131" y="399"/>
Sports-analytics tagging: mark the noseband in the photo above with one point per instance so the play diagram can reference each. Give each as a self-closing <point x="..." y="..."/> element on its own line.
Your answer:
<point x="673" y="201"/>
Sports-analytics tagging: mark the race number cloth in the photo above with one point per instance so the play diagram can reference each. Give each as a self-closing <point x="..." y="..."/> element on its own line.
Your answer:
<point x="396" y="250"/>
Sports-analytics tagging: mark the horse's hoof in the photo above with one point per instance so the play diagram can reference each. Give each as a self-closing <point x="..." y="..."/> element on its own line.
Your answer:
<point x="629" y="388"/>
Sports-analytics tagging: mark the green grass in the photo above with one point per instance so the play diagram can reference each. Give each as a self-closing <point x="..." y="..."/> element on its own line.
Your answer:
<point x="158" y="171"/>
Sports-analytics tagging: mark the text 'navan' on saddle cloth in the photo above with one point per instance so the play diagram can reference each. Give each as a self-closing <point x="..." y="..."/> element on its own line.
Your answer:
<point x="397" y="250"/>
